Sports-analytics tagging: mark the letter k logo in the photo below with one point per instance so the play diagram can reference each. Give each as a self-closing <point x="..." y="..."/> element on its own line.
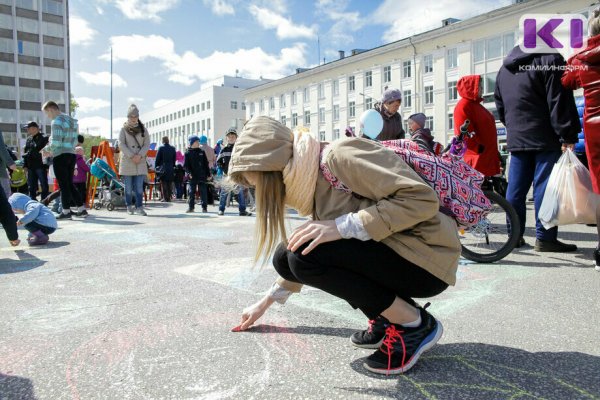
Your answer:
<point x="545" y="33"/>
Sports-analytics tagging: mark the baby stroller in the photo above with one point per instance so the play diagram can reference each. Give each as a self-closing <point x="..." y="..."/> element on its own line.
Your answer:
<point x="112" y="190"/>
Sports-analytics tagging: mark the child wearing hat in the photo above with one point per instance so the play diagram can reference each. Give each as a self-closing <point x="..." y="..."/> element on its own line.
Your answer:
<point x="196" y="165"/>
<point x="37" y="218"/>
<point x="223" y="165"/>
<point x="392" y="121"/>
<point x="421" y="135"/>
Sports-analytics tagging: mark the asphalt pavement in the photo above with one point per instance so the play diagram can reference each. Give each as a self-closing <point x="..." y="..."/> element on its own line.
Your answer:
<point x="132" y="307"/>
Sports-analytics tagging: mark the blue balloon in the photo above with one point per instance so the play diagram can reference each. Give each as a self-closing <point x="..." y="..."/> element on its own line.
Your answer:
<point x="371" y="123"/>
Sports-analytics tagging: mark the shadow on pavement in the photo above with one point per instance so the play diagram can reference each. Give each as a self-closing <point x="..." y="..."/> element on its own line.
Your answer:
<point x="16" y="387"/>
<point x="25" y="262"/>
<point x="483" y="371"/>
<point x="182" y="215"/>
<point x="304" y="330"/>
<point x="109" y="221"/>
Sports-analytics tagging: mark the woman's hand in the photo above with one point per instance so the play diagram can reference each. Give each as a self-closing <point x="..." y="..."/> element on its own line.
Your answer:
<point x="251" y="314"/>
<point x="136" y="158"/>
<point x="316" y="231"/>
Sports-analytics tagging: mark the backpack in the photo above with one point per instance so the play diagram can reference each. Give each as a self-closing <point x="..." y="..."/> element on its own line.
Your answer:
<point x="457" y="184"/>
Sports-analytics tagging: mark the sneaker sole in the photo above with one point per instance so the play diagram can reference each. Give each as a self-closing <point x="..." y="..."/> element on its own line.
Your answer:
<point x="367" y="346"/>
<point x="597" y="268"/>
<point x="433" y="337"/>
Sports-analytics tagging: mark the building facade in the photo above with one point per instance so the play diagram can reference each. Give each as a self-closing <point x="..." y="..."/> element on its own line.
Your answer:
<point x="218" y="106"/>
<point x="34" y="63"/>
<point x="425" y="67"/>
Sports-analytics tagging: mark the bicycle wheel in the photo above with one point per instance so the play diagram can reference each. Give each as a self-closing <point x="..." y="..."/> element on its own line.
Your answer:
<point x="494" y="237"/>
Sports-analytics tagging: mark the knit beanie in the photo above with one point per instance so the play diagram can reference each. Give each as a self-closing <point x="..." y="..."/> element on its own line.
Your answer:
<point x="419" y="119"/>
<point x="192" y="139"/>
<point x="133" y="111"/>
<point x="203" y="139"/>
<point x="391" y="95"/>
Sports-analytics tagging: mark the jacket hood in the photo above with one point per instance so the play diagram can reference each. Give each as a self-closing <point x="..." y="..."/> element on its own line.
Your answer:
<point x="518" y="57"/>
<point x="263" y="145"/>
<point x="468" y="87"/>
<point x="591" y="55"/>
<point x="18" y="201"/>
<point x="423" y="132"/>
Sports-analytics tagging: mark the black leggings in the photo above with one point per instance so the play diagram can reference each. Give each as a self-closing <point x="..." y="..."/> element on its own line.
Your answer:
<point x="64" y="167"/>
<point x="368" y="275"/>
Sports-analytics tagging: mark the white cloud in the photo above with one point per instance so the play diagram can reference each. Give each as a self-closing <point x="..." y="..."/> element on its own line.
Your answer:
<point x="417" y="17"/>
<point x="345" y="23"/>
<point x="161" y="102"/>
<point x="189" y="68"/>
<point x="143" y="9"/>
<point x="284" y="27"/>
<point x="100" y="126"/>
<point x="220" y="7"/>
<point x="102" y="79"/>
<point x="80" y="31"/>
<point x="88" y="105"/>
<point x="135" y="99"/>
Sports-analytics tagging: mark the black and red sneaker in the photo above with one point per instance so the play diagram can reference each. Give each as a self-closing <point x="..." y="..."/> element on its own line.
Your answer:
<point x="372" y="337"/>
<point x="402" y="346"/>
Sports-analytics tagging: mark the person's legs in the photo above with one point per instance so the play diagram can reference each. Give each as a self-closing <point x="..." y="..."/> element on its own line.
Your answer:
<point x="203" y="195"/>
<point x="139" y="190"/>
<point x="76" y="199"/>
<point x="223" y="200"/>
<point x="520" y="177"/>
<point x="241" y="200"/>
<point x="544" y="163"/>
<point x="5" y="184"/>
<point x="192" y="194"/>
<point x="32" y="183"/>
<point x="62" y="165"/>
<point x="42" y="176"/>
<point x="128" y="181"/>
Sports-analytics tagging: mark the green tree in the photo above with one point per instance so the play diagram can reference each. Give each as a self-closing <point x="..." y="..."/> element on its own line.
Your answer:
<point x="73" y="106"/>
<point x="89" y="142"/>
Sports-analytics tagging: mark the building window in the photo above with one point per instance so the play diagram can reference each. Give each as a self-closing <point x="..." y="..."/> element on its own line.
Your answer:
<point x="271" y="103"/>
<point x="208" y="123"/>
<point x="54" y="52"/>
<point x="52" y="29"/>
<point x="429" y="123"/>
<point x="493" y="47"/>
<point x="428" y="64"/>
<point x="30" y="94"/>
<point x="452" y="91"/>
<point x="368" y="79"/>
<point x="450" y="121"/>
<point x="452" y="58"/>
<point x="489" y="83"/>
<point x="306" y="95"/>
<point x="282" y="101"/>
<point x="406" y="69"/>
<point x="351" y="84"/>
<point x="294" y="98"/>
<point x="234" y="105"/>
<point x="6" y="45"/>
<point x="321" y="91"/>
<point x="261" y="105"/>
<point x="203" y="106"/>
<point x="30" y="71"/>
<point x="188" y="112"/>
<point x="336" y="112"/>
<point x="27" y="25"/>
<point x="56" y="95"/>
<point x="197" y="108"/>
<point x="208" y="107"/>
<point x="368" y="103"/>
<point x="28" y="4"/>
<point x="351" y="109"/>
<point x="307" y="118"/>
<point x="6" y="19"/>
<point x="479" y="51"/>
<point x="387" y="74"/>
<point x="294" y="120"/>
<point x="428" y="94"/>
<point x="243" y="106"/>
<point x="407" y="98"/>
<point x="336" y="134"/>
<point x="321" y="115"/>
<point x="509" y="42"/>
<point x="336" y="87"/>
<point x="283" y="120"/>
<point x="252" y="108"/>
<point x="203" y="125"/>
<point x="322" y="136"/>
<point x="52" y="7"/>
<point x="178" y="114"/>
<point x="8" y="93"/>
<point x="28" y="48"/>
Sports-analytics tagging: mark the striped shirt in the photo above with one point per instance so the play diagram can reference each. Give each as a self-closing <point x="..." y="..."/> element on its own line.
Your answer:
<point x="63" y="139"/>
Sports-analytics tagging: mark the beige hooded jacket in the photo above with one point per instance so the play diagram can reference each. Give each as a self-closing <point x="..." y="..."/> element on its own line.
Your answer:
<point x="398" y="208"/>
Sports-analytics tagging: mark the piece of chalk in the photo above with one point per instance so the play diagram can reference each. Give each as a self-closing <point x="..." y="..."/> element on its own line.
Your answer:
<point x="237" y="329"/>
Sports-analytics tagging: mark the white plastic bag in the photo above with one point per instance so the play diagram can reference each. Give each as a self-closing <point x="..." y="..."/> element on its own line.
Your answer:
<point x="569" y="198"/>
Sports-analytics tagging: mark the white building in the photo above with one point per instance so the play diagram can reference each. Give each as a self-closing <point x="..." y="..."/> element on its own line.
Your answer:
<point x="34" y="63"/>
<point x="425" y="67"/>
<point x="218" y="106"/>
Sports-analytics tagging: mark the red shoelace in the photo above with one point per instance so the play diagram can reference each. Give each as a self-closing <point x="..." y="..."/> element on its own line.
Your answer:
<point x="391" y="336"/>
<point x="371" y="322"/>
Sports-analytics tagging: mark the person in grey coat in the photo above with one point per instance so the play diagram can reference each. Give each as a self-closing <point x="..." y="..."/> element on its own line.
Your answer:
<point x="6" y="161"/>
<point x="134" y="142"/>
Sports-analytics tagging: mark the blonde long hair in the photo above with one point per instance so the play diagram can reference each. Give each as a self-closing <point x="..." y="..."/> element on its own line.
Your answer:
<point x="270" y="210"/>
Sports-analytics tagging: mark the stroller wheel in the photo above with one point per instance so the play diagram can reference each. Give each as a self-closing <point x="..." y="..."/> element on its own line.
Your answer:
<point x="97" y="206"/>
<point x="110" y="207"/>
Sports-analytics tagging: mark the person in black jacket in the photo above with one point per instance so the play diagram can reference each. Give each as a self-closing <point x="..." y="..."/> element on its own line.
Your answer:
<point x="196" y="165"/>
<point x="541" y="120"/>
<point x="36" y="170"/>
<point x="165" y="168"/>
<point x="223" y="165"/>
<point x="392" y="121"/>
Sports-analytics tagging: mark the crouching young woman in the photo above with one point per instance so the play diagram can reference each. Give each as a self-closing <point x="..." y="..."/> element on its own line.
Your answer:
<point x="376" y="238"/>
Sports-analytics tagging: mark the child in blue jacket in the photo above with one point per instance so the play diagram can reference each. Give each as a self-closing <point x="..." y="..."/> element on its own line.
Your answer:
<point x="38" y="219"/>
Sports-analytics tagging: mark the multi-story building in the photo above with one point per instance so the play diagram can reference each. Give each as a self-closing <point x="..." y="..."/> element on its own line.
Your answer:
<point x="218" y="106"/>
<point x="34" y="63"/>
<point x="425" y="67"/>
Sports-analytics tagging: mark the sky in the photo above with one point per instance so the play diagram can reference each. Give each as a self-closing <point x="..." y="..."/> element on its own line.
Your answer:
<point x="165" y="49"/>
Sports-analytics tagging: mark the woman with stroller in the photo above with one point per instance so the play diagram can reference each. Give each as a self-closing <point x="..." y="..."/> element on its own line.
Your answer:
<point x="134" y="143"/>
<point x="377" y="247"/>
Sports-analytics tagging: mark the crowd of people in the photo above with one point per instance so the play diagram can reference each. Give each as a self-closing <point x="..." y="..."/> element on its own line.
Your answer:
<point x="379" y="213"/>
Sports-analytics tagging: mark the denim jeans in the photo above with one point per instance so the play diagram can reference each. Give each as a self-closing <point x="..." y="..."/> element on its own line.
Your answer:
<point x="203" y="194"/>
<point x="240" y="197"/>
<point x="33" y="177"/>
<point x="527" y="167"/>
<point x="34" y="227"/>
<point x="134" y="185"/>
